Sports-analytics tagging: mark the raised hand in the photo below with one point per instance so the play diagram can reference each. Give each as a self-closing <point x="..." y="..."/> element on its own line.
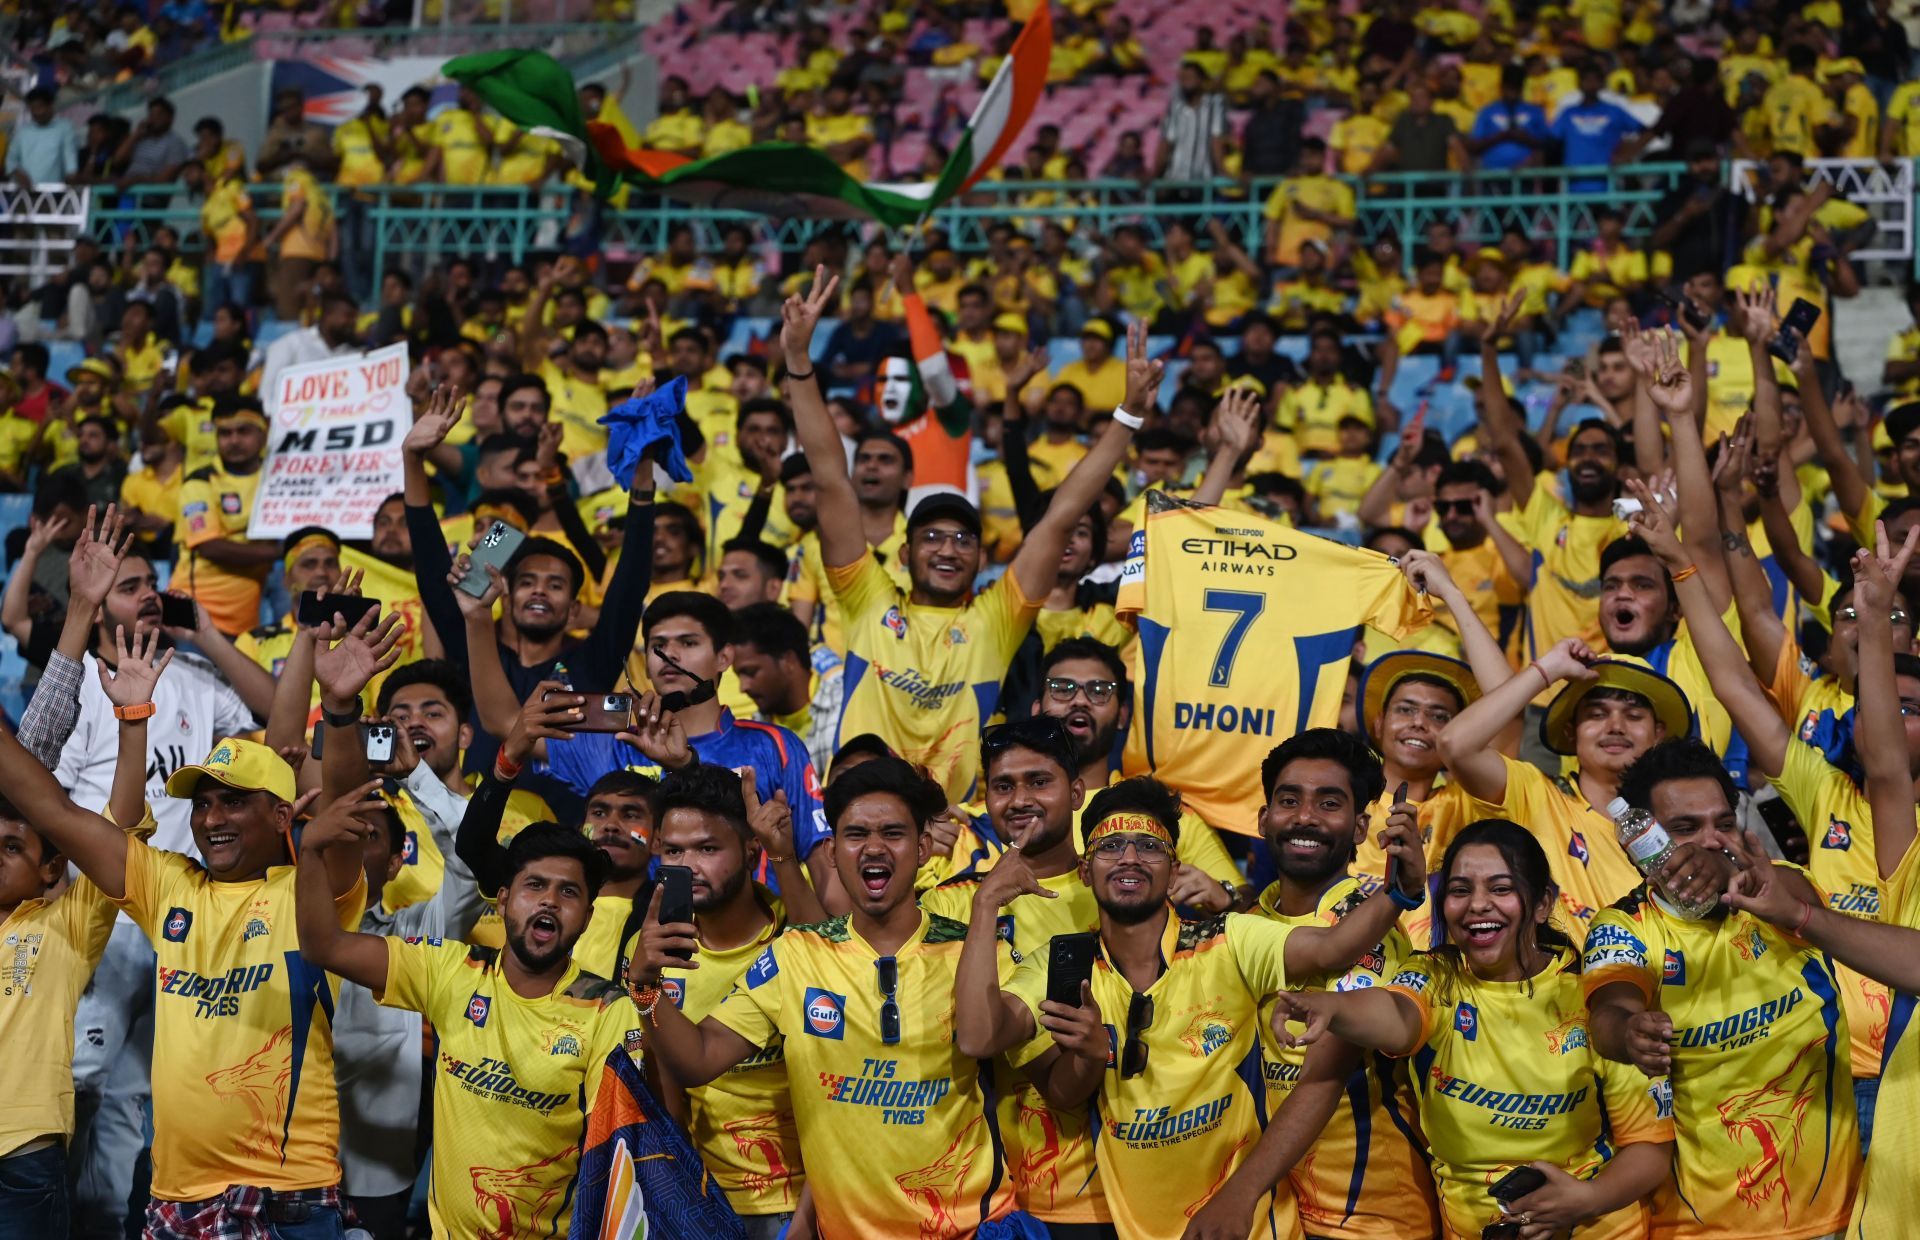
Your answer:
<point x="469" y="605"/>
<point x="1236" y="420"/>
<point x="770" y="821"/>
<point x="95" y="559"/>
<point x="997" y="890"/>
<point x="1503" y="319"/>
<point x="1877" y="573"/>
<point x="1672" y="388"/>
<point x="1405" y="848"/>
<point x="1730" y="470"/>
<point x="137" y="670"/>
<point x="546" y="715"/>
<point x="658" y="734"/>
<point x="799" y="315"/>
<point x="1425" y="571"/>
<point x="1569" y="659"/>
<point x="1753" y="889"/>
<point x="1077" y="1030"/>
<point x="348" y="817"/>
<point x="1759" y="320"/>
<point x="1143" y="372"/>
<point x="42" y="534"/>
<point x="1642" y="352"/>
<point x="674" y="945"/>
<point x="943" y="832"/>
<point x="1657" y="525"/>
<point x="434" y="421"/>
<point x="346" y="659"/>
<point x="1023" y="371"/>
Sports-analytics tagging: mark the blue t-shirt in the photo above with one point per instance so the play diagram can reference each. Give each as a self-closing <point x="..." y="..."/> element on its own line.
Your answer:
<point x="778" y="758"/>
<point x="1500" y="117"/>
<point x="1588" y="134"/>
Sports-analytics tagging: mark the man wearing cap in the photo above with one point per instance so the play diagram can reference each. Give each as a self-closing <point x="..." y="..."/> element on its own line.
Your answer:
<point x="246" y="1119"/>
<point x="1609" y="713"/>
<point x="223" y="568"/>
<point x="925" y="664"/>
<point x="1100" y="376"/>
<point x="1852" y="127"/>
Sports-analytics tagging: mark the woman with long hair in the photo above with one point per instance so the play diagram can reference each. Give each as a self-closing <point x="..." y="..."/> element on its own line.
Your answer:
<point x="1504" y="1076"/>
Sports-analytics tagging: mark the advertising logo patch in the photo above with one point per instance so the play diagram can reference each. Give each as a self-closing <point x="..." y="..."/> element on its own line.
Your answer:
<point x="826" y="1013"/>
<point x="174" y="928"/>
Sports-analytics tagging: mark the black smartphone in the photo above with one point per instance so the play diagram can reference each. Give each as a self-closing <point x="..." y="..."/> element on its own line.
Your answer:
<point x="1679" y="304"/>
<point x="1516" y="1184"/>
<point x="178" y="612"/>
<point x="1801" y="317"/>
<point x="1393" y="863"/>
<point x="496" y="547"/>
<point x="1069" y="965"/>
<point x="314" y="609"/>
<point x="1500" y="1231"/>
<point x="676" y="899"/>
<point x="377" y="741"/>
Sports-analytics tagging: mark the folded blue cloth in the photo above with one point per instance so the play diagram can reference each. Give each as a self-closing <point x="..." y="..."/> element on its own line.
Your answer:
<point x="634" y="426"/>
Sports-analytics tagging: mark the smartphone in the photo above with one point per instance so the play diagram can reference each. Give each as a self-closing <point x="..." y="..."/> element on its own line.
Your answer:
<point x="497" y="546"/>
<point x="1801" y="317"/>
<point x="676" y="899"/>
<point x="605" y="712"/>
<point x="1393" y="863"/>
<point x="1069" y="965"/>
<point x="1679" y="304"/>
<point x="178" y="612"/>
<point x="313" y="609"/>
<point x="377" y="741"/>
<point x="1516" y="1184"/>
<point x="1500" y="1231"/>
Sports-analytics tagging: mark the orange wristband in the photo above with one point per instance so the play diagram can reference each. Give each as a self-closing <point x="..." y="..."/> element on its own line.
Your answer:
<point x="1685" y="573"/>
<point x="139" y="710"/>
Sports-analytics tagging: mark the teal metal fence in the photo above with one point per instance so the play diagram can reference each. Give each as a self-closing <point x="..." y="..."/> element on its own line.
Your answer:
<point x="415" y="225"/>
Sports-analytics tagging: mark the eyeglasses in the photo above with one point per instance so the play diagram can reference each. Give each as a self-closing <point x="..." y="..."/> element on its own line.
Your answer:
<point x="1099" y="692"/>
<point x="1459" y="507"/>
<point x="1851" y="615"/>
<point x="1112" y="847"/>
<point x="1133" y="1059"/>
<point x="1042" y="731"/>
<point x="962" y="540"/>
<point x="889" y="970"/>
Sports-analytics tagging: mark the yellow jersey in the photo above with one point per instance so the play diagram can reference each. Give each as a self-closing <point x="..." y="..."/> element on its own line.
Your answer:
<point x="675" y="131"/>
<point x="1615" y="273"/>
<point x="1890" y="1190"/>
<point x="1100" y="388"/>
<point x="1169" y="1136"/>
<point x="1441" y="817"/>
<point x="1905" y="347"/>
<point x="1794" y="105"/>
<point x="1903" y="113"/>
<point x="1363" y="1179"/>
<point x="1841" y="857"/>
<point x="1317" y="193"/>
<point x="1049" y="1153"/>
<point x="1483" y="576"/>
<point x="825" y="130"/>
<point x="302" y="195"/>
<point x="927" y="678"/>
<point x="215" y="504"/>
<point x="1762" y="1099"/>
<point x="1218" y="692"/>
<point x="1678" y="660"/>
<point x="1338" y="484"/>
<point x="1508" y="1075"/>
<point x="807" y="581"/>
<point x="1565" y="600"/>
<point x="513" y="1081"/>
<point x="151" y="495"/>
<point x="578" y="405"/>
<point x="224" y="220"/>
<point x="1730" y="382"/>
<point x="357" y="144"/>
<point x="727" y="489"/>
<point x="191" y="426"/>
<point x="243" y="1087"/>
<point x="527" y="161"/>
<point x="463" y="156"/>
<point x="812" y="993"/>
<point x="1590" y="869"/>
<point x="1357" y="139"/>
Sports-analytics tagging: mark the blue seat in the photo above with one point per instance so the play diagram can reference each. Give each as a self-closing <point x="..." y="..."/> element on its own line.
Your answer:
<point x="746" y="330"/>
<point x="62" y="356"/>
<point x="272" y="329"/>
<point x="14" y="510"/>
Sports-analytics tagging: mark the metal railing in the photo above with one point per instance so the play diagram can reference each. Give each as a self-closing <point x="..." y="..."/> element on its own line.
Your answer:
<point x="45" y="221"/>
<point x="418" y="224"/>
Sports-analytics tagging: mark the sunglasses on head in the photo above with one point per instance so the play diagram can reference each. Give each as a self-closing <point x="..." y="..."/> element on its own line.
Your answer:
<point x="889" y="969"/>
<point x="1043" y="730"/>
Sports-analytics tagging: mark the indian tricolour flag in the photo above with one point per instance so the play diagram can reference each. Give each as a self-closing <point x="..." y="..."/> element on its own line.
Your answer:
<point x="782" y="179"/>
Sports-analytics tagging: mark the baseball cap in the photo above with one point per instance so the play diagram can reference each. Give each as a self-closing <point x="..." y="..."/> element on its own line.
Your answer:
<point x="99" y="366"/>
<point x="1097" y="327"/>
<point x="239" y="764"/>
<point x="945" y="506"/>
<point x="1010" y="322"/>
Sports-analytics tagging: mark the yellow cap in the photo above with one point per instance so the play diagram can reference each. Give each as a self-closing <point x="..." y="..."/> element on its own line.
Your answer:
<point x="1474" y="382"/>
<point x="1097" y="327"/>
<point x="244" y="765"/>
<point x="1249" y="382"/>
<point x="603" y="508"/>
<point x="1623" y="672"/>
<point x="1378" y="681"/>
<point x="98" y="366"/>
<point x="1845" y="64"/>
<point x="1010" y="322"/>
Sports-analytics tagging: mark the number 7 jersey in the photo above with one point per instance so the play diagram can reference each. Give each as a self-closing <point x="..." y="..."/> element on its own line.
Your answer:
<point x="1246" y="629"/>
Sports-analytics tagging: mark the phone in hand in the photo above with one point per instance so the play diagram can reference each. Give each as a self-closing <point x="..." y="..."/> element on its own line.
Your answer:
<point x="1800" y="318"/>
<point x="1069" y="966"/>
<point x="177" y="611"/>
<point x="497" y="546"/>
<point x="1680" y="305"/>
<point x="1516" y="1184"/>
<point x="377" y="741"/>
<point x="600" y="712"/>
<point x="314" y="609"/>
<point x="1500" y="1231"/>
<point x="676" y="899"/>
<point x="1393" y="863"/>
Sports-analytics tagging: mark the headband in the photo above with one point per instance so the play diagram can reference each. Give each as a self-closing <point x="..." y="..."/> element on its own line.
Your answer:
<point x="244" y="415"/>
<point x="1128" y="823"/>
<point x="307" y="544"/>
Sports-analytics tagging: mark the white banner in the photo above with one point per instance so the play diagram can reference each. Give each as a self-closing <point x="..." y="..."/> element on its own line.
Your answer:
<point x="333" y="452"/>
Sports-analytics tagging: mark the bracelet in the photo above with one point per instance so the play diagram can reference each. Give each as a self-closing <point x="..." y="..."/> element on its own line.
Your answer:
<point x="139" y="710"/>
<point x="1535" y="665"/>
<point x="555" y="478"/>
<point x="504" y="769"/>
<point x="1131" y="421"/>
<point x="793" y="375"/>
<point x="1806" y="915"/>
<point x="1685" y="573"/>
<point x="644" y="997"/>
<point x="349" y="719"/>
<point x="1401" y="900"/>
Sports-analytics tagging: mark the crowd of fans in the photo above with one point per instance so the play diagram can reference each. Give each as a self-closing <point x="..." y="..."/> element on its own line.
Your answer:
<point x="808" y="765"/>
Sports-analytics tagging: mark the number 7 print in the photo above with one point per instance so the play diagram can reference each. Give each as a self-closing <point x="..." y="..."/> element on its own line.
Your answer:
<point x="1246" y="607"/>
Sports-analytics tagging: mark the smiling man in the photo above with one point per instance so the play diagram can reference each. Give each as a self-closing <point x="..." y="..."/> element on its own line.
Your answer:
<point x="863" y="1004"/>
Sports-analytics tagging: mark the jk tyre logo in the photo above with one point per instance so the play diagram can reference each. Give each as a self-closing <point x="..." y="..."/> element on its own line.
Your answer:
<point x="826" y="1014"/>
<point x="174" y="928"/>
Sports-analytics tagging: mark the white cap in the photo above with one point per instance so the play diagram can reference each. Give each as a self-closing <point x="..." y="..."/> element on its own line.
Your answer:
<point x="1617" y="807"/>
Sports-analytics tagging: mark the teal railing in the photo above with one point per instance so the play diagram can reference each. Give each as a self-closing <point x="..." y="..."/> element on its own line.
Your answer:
<point x="418" y="224"/>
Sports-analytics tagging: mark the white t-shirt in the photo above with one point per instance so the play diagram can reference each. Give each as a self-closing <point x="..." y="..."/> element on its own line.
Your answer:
<point x="193" y="708"/>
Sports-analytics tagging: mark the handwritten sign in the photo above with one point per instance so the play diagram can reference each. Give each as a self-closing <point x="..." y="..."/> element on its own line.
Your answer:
<point x="333" y="453"/>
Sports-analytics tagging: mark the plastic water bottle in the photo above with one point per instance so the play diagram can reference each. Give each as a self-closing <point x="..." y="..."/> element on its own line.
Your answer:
<point x="1648" y="843"/>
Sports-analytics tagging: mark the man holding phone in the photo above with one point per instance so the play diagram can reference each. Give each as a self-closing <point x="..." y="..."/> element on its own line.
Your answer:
<point x="708" y="923"/>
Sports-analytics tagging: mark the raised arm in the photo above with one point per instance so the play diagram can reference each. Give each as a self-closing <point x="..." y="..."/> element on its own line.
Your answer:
<point x="1037" y="563"/>
<point x="431" y="560"/>
<point x="1467" y="745"/>
<point x="1880" y="732"/>
<point x="14" y="614"/>
<point x="986" y="1019"/>
<point x="1852" y="487"/>
<point x="604" y="656"/>
<point x="137" y="669"/>
<point x="693" y="1054"/>
<point x="1649" y="444"/>
<point x="91" y="842"/>
<point x="1888" y="954"/>
<point x="1500" y="426"/>
<point x="1758" y="324"/>
<point x="842" y="541"/>
<point x="1236" y="428"/>
<point x="477" y="842"/>
<point x="1374" y="1018"/>
<point x="771" y="822"/>
<point x="1319" y="951"/>
<point x="1679" y="389"/>
<point x="1428" y="574"/>
<point x="340" y="830"/>
<point x="252" y="682"/>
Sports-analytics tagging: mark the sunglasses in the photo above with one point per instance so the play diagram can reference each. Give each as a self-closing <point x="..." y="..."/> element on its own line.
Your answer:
<point x="889" y="970"/>
<point x="1133" y="1059"/>
<point x="1044" y="731"/>
<point x="1458" y="507"/>
<point x="1099" y="692"/>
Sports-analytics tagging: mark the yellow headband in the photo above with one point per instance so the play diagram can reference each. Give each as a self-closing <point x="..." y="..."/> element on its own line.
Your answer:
<point x="245" y="415"/>
<point x="1127" y="823"/>
<point x="307" y="544"/>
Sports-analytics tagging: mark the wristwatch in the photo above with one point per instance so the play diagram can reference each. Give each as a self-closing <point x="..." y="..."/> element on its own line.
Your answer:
<point x="139" y="710"/>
